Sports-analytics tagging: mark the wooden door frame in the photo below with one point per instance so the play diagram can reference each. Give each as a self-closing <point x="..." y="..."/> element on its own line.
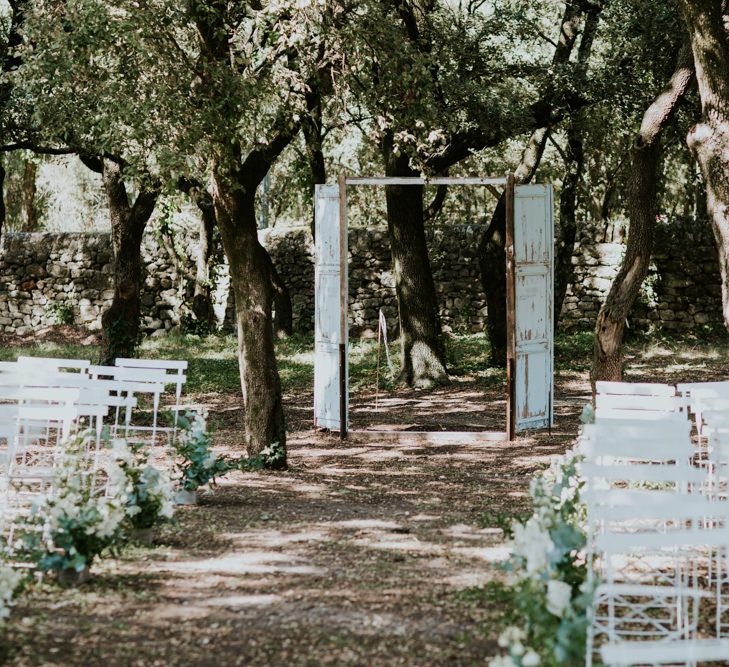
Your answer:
<point x="508" y="183"/>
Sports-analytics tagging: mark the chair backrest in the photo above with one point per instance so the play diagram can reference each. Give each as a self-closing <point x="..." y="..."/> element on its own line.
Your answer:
<point x="704" y="389"/>
<point x="47" y="395"/>
<point x="173" y="369"/>
<point x="634" y="388"/>
<point x="711" y="407"/>
<point x="167" y="364"/>
<point x="637" y="440"/>
<point x="626" y="473"/>
<point x="53" y="363"/>
<point x="154" y="376"/>
<point x="52" y="414"/>
<point x="170" y="371"/>
<point x="614" y="406"/>
<point x="101" y="396"/>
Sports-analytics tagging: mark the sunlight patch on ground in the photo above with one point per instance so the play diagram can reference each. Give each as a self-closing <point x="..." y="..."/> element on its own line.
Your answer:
<point x="657" y="351"/>
<point x="469" y="579"/>
<point x="462" y="531"/>
<point x="254" y="562"/>
<point x="693" y="355"/>
<point x="274" y="538"/>
<point x="399" y="543"/>
<point x="363" y="524"/>
<point x="271" y="485"/>
<point x="316" y="452"/>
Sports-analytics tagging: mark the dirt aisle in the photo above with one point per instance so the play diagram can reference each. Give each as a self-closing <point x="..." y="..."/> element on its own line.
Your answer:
<point x="355" y="556"/>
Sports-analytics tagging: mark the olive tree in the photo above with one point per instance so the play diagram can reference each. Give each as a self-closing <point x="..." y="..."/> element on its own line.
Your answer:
<point x="209" y="92"/>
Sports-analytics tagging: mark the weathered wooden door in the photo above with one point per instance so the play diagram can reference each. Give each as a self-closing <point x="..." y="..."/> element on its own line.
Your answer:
<point x="330" y="295"/>
<point x="532" y="258"/>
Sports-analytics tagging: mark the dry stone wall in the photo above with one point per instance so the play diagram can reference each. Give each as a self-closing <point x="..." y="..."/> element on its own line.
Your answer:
<point x="371" y="283"/>
<point x="50" y="278"/>
<point x="682" y="291"/>
<point x="45" y="278"/>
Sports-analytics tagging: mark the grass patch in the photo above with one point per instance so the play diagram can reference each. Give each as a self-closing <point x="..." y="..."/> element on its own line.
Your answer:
<point x="573" y="351"/>
<point x="52" y="350"/>
<point x="213" y="359"/>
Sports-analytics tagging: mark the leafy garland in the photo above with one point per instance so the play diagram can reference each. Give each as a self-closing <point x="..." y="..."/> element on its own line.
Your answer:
<point x="549" y="573"/>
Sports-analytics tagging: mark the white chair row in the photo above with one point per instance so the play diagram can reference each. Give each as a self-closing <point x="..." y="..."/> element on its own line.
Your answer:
<point x="656" y="528"/>
<point x="42" y="400"/>
<point x="118" y="385"/>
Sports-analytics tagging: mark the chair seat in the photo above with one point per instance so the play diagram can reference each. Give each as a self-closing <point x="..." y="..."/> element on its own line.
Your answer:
<point x="646" y="590"/>
<point x="664" y="653"/>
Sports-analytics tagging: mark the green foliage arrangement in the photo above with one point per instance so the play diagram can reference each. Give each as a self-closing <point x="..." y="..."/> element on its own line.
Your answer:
<point x="549" y="574"/>
<point x="72" y="524"/>
<point x="146" y="492"/>
<point x="197" y="465"/>
<point x="272" y="457"/>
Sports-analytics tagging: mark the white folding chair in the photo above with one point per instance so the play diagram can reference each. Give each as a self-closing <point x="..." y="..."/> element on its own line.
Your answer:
<point x="638" y="482"/>
<point x="174" y="372"/>
<point x="675" y="532"/>
<point x="32" y="455"/>
<point x="139" y="381"/>
<point x="637" y="400"/>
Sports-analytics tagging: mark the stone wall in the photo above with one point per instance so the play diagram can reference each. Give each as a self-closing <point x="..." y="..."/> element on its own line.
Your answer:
<point x="682" y="291"/>
<point x="371" y="284"/>
<point x="48" y="278"/>
<point x="44" y="277"/>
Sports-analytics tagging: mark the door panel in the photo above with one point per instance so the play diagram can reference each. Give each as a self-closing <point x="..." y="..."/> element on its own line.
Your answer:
<point x="533" y="305"/>
<point x="329" y="333"/>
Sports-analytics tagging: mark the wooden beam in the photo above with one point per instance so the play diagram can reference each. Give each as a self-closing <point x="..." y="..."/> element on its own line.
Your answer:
<point x="510" y="311"/>
<point x="343" y="306"/>
<point x="416" y="180"/>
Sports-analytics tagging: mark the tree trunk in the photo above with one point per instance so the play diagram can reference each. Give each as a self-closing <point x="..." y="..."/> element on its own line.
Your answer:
<point x="251" y="283"/>
<point x="607" y="363"/>
<point x="202" y="300"/>
<point x="421" y="336"/>
<point x="120" y="322"/>
<point x="567" y="233"/>
<point x="709" y="140"/>
<point x="28" y="211"/>
<point x="2" y="199"/>
<point x="491" y="249"/>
